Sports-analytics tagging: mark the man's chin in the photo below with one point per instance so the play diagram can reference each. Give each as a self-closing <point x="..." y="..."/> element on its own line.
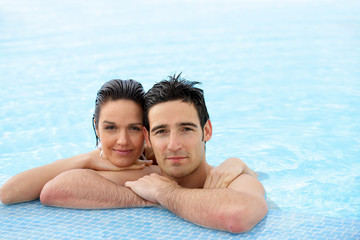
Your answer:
<point x="175" y="173"/>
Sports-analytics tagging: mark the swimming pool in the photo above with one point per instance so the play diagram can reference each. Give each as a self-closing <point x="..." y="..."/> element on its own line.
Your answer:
<point x="281" y="81"/>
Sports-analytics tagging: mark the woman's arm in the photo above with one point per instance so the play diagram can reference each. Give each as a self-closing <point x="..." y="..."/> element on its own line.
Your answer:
<point x="27" y="185"/>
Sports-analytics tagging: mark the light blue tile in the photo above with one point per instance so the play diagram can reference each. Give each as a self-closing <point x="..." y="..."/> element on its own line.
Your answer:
<point x="32" y="220"/>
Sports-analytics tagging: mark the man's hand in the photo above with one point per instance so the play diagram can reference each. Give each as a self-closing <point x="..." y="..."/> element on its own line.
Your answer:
<point x="148" y="187"/>
<point x="226" y="172"/>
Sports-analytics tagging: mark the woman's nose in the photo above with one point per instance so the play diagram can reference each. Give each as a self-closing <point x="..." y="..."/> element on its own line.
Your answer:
<point x="122" y="138"/>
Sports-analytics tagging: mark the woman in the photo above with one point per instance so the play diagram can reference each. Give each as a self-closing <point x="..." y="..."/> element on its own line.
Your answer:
<point x="118" y="123"/>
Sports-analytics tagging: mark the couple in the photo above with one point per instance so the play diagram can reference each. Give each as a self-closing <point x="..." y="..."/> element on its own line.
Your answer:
<point x="119" y="173"/>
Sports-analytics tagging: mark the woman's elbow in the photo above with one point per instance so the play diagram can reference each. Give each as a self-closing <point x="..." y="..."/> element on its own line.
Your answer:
<point x="5" y="196"/>
<point x="10" y="195"/>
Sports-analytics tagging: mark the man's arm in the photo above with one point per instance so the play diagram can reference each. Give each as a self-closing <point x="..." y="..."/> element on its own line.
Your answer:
<point x="89" y="189"/>
<point x="237" y="208"/>
<point x="222" y="175"/>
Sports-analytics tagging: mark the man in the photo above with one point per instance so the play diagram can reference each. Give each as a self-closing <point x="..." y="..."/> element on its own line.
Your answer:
<point x="177" y="128"/>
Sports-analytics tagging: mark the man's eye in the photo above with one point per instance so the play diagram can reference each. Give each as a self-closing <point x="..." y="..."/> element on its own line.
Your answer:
<point x="161" y="131"/>
<point x="186" y="129"/>
<point x="110" y="127"/>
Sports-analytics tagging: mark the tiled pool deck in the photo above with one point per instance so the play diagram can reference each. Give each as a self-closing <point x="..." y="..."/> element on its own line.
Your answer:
<point x="32" y="220"/>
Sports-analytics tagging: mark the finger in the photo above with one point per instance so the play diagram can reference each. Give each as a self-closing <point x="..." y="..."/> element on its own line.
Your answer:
<point x="132" y="167"/>
<point x="219" y="182"/>
<point x="137" y="166"/>
<point x="139" y="161"/>
<point x="214" y="179"/>
<point x="251" y="172"/>
<point x="227" y="180"/>
<point x="129" y="184"/>
<point x="146" y="162"/>
<point x="207" y="181"/>
<point x="113" y="168"/>
<point x="155" y="175"/>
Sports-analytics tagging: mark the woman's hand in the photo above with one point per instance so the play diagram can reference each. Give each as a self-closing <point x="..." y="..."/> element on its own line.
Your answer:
<point x="100" y="163"/>
<point x="139" y="164"/>
<point x="222" y="175"/>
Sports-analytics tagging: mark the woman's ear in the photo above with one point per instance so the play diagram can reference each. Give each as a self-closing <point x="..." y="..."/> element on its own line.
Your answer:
<point x="96" y="129"/>
<point x="207" y="131"/>
<point x="146" y="136"/>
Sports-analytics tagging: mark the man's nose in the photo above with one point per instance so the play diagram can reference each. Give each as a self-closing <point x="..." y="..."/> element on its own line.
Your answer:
<point x="174" y="142"/>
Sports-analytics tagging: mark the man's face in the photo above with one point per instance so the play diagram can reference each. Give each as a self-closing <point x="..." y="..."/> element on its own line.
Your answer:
<point x="176" y="137"/>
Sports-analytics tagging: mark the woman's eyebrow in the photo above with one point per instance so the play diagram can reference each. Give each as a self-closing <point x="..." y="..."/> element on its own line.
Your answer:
<point x="108" y="122"/>
<point x="140" y="123"/>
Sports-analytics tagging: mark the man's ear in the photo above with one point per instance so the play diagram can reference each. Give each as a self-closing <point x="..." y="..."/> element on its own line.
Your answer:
<point x="146" y="136"/>
<point x="207" y="131"/>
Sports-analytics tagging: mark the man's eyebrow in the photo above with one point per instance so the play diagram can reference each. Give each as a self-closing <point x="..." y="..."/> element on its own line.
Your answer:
<point x="188" y="124"/>
<point x="158" y="127"/>
<point x="179" y="124"/>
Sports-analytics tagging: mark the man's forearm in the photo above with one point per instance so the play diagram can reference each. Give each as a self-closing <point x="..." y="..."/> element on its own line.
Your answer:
<point x="84" y="188"/>
<point x="237" y="208"/>
<point x="222" y="209"/>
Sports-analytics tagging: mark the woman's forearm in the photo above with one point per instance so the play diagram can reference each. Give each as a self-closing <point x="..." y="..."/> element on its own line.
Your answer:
<point x="27" y="185"/>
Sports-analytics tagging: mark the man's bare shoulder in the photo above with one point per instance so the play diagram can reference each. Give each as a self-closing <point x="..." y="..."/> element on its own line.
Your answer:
<point x="120" y="177"/>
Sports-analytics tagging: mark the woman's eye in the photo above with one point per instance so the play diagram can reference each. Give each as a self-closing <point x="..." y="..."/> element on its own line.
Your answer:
<point x="110" y="127"/>
<point x="134" y="128"/>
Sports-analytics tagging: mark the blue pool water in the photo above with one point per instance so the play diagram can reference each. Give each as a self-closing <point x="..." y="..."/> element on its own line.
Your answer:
<point x="281" y="79"/>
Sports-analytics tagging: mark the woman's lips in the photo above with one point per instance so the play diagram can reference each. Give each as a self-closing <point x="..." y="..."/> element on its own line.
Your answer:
<point x="123" y="152"/>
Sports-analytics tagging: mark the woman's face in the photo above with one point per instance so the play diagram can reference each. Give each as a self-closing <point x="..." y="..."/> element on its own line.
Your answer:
<point x="120" y="131"/>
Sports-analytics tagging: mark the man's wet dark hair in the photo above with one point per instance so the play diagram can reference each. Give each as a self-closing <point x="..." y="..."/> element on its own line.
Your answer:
<point x="176" y="88"/>
<point x="114" y="90"/>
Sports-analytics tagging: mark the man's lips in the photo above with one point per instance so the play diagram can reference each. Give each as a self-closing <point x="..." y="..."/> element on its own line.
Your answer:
<point x="175" y="158"/>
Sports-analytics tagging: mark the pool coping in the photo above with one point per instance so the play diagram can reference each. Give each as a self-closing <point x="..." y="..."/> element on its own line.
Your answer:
<point x="32" y="220"/>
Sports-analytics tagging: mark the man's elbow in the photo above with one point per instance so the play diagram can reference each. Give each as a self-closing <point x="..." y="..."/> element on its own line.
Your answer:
<point x="51" y="195"/>
<point x="243" y="220"/>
